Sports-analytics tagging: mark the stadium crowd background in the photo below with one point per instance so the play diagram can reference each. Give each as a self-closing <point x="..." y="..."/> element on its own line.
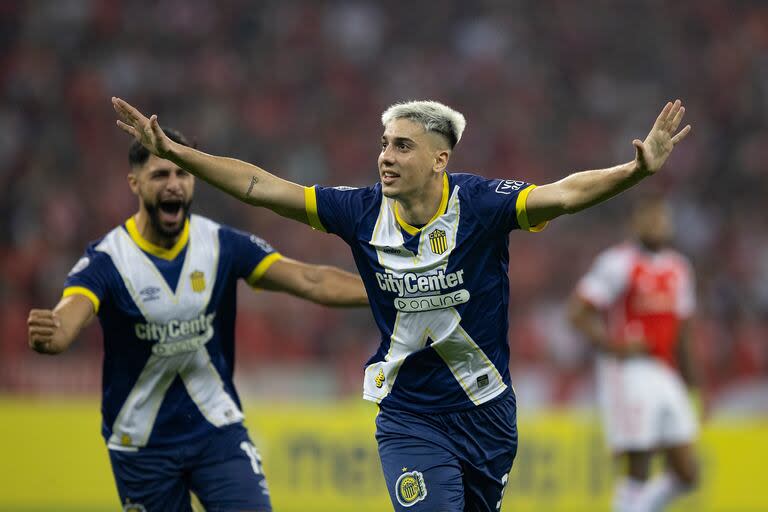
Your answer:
<point x="297" y="87"/>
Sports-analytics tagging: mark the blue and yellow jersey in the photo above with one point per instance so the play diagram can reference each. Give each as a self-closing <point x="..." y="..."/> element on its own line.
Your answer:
<point x="439" y="293"/>
<point x="168" y="321"/>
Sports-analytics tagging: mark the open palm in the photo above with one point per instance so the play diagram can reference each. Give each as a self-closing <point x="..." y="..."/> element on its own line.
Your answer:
<point x="657" y="146"/>
<point x="146" y="130"/>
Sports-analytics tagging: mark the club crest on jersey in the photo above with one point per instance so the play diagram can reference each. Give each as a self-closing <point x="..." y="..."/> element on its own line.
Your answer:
<point x="437" y="241"/>
<point x="410" y="488"/>
<point x="380" y="378"/>
<point x="133" y="507"/>
<point x="198" y="281"/>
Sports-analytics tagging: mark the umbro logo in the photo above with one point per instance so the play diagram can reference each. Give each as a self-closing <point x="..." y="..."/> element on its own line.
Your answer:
<point x="509" y="186"/>
<point x="150" y="293"/>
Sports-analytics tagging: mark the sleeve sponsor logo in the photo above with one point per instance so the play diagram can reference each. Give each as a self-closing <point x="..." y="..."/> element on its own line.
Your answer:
<point x="508" y="186"/>
<point x="263" y="245"/>
<point x="81" y="264"/>
<point x="344" y="188"/>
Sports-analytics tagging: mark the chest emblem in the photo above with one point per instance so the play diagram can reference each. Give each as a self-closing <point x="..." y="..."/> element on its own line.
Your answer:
<point x="198" y="281"/>
<point x="437" y="241"/>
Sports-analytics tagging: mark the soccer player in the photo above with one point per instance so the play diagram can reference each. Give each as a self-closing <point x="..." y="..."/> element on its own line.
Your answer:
<point x="163" y="285"/>
<point x="634" y="305"/>
<point x="432" y="249"/>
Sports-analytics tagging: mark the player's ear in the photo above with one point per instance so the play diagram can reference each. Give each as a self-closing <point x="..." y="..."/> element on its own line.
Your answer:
<point x="133" y="182"/>
<point x="441" y="159"/>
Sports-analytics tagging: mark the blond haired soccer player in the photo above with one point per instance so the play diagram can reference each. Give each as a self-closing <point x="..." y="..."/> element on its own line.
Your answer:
<point x="432" y="248"/>
<point x="634" y="305"/>
<point x="163" y="285"/>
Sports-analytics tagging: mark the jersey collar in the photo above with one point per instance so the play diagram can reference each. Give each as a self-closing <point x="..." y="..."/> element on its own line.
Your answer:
<point x="411" y="230"/>
<point x="155" y="250"/>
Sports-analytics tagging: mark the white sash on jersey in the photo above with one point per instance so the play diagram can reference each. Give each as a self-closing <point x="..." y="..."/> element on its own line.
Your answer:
<point x="177" y="322"/>
<point x="437" y="319"/>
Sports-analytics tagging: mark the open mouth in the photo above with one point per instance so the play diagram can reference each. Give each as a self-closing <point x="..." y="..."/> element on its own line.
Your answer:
<point x="171" y="211"/>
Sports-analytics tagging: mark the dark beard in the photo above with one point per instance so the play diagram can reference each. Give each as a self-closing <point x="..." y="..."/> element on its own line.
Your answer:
<point x="154" y="219"/>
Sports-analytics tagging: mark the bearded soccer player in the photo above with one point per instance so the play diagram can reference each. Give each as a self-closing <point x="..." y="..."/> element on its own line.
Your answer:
<point x="432" y="248"/>
<point x="163" y="285"/>
<point x="635" y="305"/>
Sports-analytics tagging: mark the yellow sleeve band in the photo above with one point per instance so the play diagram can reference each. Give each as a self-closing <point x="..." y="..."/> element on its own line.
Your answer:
<point x="80" y="290"/>
<point x="522" y="213"/>
<point x="310" y="204"/>
<point x="262" y="267"/>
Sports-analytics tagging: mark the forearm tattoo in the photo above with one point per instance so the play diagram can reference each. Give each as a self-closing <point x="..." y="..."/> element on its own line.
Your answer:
<point x="254" y="180"/>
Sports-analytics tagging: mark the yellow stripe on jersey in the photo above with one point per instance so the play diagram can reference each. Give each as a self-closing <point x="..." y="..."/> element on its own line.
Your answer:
<point x="522" y="213"/>
<point x="440" y="210"/>
<point x="310" y="205"/>
<point x="80" y="290"/>
<point x="262" y="267"/>
<point x="156" y="250"/>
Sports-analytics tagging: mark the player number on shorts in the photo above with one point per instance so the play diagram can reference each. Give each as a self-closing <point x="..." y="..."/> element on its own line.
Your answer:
<point x="504" y="481"/>
<point x="252" y="454"/>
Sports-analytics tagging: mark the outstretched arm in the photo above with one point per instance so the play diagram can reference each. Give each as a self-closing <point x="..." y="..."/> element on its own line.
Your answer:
<point x="53" y="331"/>
<point x="242" y="180"/>
<point x="588" y="188"/>
<point x="322" y="284"/>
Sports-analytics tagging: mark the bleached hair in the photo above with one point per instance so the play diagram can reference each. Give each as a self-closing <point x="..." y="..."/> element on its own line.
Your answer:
<point x="433" y="116"/>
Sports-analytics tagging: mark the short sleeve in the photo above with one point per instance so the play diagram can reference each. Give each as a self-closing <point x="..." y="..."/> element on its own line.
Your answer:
<point x="606" y="280"/>
<point x="90" y="277"/>
<point x="502" y="204"/>
<point x="251" y="255"/>
<point x="337" y="210"/>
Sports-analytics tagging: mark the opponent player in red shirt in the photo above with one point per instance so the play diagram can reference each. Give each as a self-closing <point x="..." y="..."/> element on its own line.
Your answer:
<point x="635" y="305"/>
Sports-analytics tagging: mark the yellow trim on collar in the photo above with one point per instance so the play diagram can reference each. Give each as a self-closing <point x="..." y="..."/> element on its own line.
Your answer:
<point x="262" y="267"/>
<point x="310" y="205"/>
<point x="85" y="292"/>
<point x="522" y="212"/>
<point x="155" y="250"/>
<point x="411" y="230"/>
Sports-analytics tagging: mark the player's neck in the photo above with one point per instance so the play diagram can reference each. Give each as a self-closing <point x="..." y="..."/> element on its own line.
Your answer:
<point x="419" y="208"/>
<point x="150" y="234"/>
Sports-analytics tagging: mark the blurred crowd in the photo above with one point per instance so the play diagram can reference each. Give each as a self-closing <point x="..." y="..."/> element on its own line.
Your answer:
<point x="548" y="87"/>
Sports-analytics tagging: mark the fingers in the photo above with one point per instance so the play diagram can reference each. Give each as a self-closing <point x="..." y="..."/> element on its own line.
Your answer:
<point x="683" y="134"/>
<point x="130" y="130"/>
<point x="155" y="125"/>
<point x="676" y="117"/>
<point x="639" y="150"/>
<point x="43" y="318"/>
<point x="662" y="119"/>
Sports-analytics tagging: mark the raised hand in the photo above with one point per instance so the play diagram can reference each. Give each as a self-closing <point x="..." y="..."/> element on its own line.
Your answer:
<point x="146" y="130"/>
<point x="657" y="146"/>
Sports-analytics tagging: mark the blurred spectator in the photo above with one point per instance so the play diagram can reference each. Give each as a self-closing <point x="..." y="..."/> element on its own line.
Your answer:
<point x="548" y="87"/>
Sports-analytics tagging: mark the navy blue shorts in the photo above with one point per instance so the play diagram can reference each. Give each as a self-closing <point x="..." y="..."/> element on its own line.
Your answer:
<point x="452" y="462"/>
<point x="223" y="470"/>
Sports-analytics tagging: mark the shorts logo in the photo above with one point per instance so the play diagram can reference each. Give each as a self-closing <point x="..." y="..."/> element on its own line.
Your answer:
<point x="410" y="488"/>
<point x="437" y="241"/>
<point x="198" y="281"/>
<point x="380" y="378"/>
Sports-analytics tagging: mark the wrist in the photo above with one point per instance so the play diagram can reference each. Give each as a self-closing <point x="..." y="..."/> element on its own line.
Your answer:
<point x="638" y="171"/>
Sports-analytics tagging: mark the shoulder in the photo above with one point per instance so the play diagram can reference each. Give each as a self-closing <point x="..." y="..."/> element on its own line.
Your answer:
<point x="616" y="258"/>
<point x="237" y="238"/>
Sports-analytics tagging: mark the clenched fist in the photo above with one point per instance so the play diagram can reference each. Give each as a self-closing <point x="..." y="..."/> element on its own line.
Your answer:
<point x="42" y="327"/>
